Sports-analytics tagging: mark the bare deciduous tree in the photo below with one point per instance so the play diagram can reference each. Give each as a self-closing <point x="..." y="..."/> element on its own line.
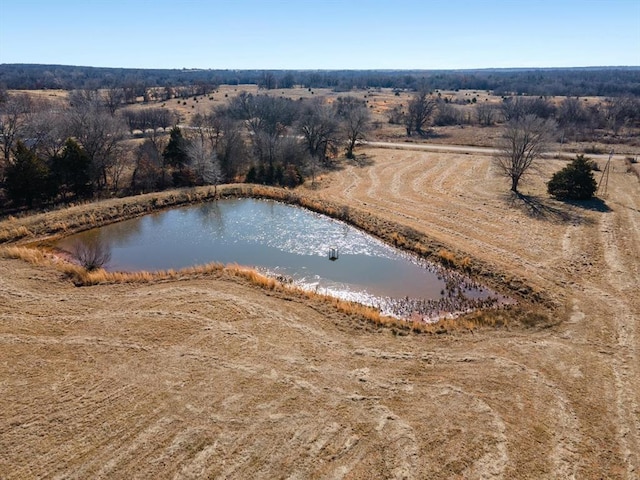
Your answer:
<point x="573" y="117"/>
<point x="356" y="120"/>
<point x="203" y="161"/>
<point x="447" y="114"/>
<point x="419" y="111"/>
<point x="148" y="120"/>
<point x="49" y="130"/>
<point x="268" y="81"/>
<point x="319" y="127"/>
<point x="522" y="142"/>
<point x="113" y="98"/>
<point x="515" y="108"/>
<point x="148" y="166"/>
<point x="267" y="119"/>
<point x="230" y="146"/>
<point x="100" y="135"/>
<point x="13" y="116"/>
<point x="133" y="88"/>
<point x="85" y="98"/>
<point x="620" y="111"/>
<point x="486" y="113"/>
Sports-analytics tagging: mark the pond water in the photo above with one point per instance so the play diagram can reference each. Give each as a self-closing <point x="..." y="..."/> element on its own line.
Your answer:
<point x="290" y="243"/>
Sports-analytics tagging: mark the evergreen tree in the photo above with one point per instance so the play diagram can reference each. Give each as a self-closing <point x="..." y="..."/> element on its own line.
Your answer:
<point x="175" y="153"/>
<point x="27" y="178"/>
<point x="71" y="171"/>
<point x="252" y="175"/>
<point x="573" y="182"/>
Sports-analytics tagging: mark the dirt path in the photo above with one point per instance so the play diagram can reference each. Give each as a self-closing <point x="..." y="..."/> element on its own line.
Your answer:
<point x="470" y="149"/>
<point x="210" y="378"/>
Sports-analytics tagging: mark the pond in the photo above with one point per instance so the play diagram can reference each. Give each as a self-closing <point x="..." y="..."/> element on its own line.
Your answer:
<point x="307" y="249"/>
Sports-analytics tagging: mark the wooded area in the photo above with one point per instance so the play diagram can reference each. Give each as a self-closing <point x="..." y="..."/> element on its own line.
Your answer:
<point x="139" y="136"/>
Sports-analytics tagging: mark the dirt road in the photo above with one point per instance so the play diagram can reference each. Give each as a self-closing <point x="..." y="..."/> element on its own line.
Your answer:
<point x="469" y="149"/>
<point x="216" y="378"/>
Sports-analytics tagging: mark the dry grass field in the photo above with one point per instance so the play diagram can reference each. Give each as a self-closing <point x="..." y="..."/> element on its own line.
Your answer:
<point x="212" y="377"/>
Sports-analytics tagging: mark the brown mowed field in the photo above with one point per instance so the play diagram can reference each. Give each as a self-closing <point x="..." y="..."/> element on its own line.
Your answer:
<point x="213" y="377"/>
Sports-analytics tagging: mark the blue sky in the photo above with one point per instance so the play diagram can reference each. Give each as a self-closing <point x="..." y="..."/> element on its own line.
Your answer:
<point x="348" y="34"/>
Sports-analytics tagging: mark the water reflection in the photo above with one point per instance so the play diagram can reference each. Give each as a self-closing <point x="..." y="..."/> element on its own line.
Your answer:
<point x="291" y="243"/>
<point x="211" y="217"/>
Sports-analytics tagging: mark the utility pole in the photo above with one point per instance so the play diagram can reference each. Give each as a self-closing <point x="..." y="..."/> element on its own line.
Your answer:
<point x="604" y="178"/>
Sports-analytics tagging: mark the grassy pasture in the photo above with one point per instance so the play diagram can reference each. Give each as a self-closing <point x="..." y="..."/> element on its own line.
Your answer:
<point x="216" y="372"/>
<point x="209" y="373"/>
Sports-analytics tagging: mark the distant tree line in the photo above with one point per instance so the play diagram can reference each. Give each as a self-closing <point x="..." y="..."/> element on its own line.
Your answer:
<point x="595" y="81"/>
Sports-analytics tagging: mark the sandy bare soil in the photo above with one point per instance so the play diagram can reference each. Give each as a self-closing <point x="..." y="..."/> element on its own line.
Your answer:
<point x="202" y="378"/>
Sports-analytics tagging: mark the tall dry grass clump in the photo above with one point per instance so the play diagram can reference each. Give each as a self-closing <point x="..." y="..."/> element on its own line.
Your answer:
<point x="84" y="277"/>
<point x="35" y="256"/>
<point x="8" y="234"/>
<point x="446" y="257"/>
<point x="254" y="277"/>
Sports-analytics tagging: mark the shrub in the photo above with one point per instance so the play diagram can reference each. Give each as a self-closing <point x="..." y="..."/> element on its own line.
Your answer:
<point x="291" y="176"/>
<point x="594" y="149"/>
<point x="252" y="175"/>
<point x="573" y="182"/>
<point x="92" y="255"/>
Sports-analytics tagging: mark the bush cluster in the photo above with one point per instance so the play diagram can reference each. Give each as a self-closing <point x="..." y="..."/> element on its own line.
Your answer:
<point x="283" y="175"/>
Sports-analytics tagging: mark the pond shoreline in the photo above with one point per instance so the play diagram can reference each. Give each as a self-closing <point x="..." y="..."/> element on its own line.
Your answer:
<point x="43" y="229"/>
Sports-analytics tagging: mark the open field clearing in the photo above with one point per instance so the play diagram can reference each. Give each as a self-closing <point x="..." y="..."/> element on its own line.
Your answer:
<point x="213" y="377"/>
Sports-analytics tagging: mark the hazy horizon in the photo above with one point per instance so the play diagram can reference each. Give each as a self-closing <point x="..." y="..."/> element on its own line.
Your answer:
<point x="478" y="69"/>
